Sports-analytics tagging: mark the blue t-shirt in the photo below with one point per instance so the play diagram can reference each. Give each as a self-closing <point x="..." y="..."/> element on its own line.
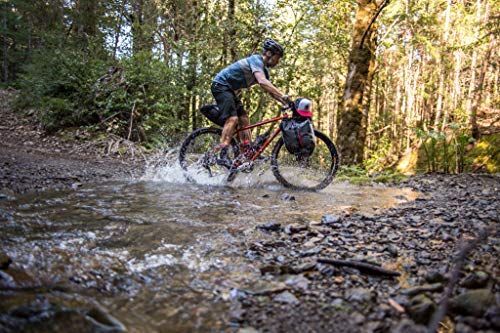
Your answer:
<point x="240" y="74"/>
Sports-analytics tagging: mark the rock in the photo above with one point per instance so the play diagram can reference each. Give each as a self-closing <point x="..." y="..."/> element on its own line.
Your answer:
<point x="267" y="288"/>
<point x="462" y="328"/>
<point x="493" y="316"/>
<point x="392" y="249"/>
<point x="304" y="267"/>
<point x="408" y="326"/>
<point x="477" y="323"/>
<point x="297" y="282"/>
<point x="287" y="197"/>
<point x="358" y="318"/>
<point x="247" y="330"/>
<point x="286" y="297"/>
<point x="102" y="317"/>
<point x="6" y="281"/>
<point x="311" y="252"/>
<point x="435" y="276"/>
<point x="270" y="226"/>
<point x="475" y="280"/>
<point x="472" y="303"/>
<point x="421" y="309"/>
<point x="5" y="261"/>
<point x="294" y="228"/>
<point x="330" y="219"/>
<point x="359" y="295"/>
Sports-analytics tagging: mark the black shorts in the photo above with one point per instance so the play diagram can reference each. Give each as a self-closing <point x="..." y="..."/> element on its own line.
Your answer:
<point x="229" y="104"/>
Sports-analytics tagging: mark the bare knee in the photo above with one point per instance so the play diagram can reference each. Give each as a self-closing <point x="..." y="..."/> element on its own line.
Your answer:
<point x="231" y="120"/>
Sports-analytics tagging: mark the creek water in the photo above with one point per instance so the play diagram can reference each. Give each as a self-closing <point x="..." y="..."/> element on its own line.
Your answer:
<point x="159" y="253"/>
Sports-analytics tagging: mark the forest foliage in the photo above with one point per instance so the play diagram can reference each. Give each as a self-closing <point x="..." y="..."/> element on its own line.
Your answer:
<point x="142" y="68"/>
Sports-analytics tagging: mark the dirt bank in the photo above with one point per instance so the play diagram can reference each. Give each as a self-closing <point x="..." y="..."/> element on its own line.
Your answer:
<point x="32" y="161"/>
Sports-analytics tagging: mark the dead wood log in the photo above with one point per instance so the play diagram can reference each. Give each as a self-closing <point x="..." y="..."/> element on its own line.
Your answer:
<point x="361" y="266"/>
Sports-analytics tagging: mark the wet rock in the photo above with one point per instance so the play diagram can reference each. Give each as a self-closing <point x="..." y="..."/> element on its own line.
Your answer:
<point x="392" y="249"/>
<point x="421" y="309"/>
<point x="463" y="328"/>
<point x="298" y="282"/>
<point x="475" y="280"/>
<point x="493" y="316"/>
<point x="359" y="295"/>
<point x="267" y="288"/>
<point x="6" y="281"/>
<point x="247" y="330"/>
<point x="5" y="261"/>
<point x="421" y="289"/>
<point x="435" y="276"/>
<point x="358" y="318"/>
<point x="311" y="252"/>
<point x="236" y="315"/>
<point x="294" y="228"/>
<point x="373" y="326"/>
<point x="304" y="267"/>
<point x="330" y="219"/>
<point x="408" y="326"/>
<point x="237" y="294"/>
<point x="102" y="317"/>
<point x="473" y="303"/>
<point x="287" y="197"/>
<point x="286" y="297"/>
<point x="270" y="226"/>
<point x="477" y="323"/>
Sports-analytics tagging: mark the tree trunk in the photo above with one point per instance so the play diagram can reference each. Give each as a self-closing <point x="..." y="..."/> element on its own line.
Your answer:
<point x="352" y="120"/>
<point x="474" y="91"/>
<point x="143" y="24"/>
<point x="474" y="129"/>
<point x="5" y="60"/>
<point x="231" y="9"/>
<point x="86" y="20"/>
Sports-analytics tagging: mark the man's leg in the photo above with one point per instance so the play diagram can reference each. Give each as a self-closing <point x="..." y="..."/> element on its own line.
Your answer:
<point x="245" y="136"/>
<point x="228" y="130"/>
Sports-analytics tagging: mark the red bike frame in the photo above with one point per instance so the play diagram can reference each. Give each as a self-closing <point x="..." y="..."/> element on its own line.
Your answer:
<point x="271" y="138"/>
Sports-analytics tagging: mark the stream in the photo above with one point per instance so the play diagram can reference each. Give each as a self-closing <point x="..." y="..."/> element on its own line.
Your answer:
<point x="158" y="253"/>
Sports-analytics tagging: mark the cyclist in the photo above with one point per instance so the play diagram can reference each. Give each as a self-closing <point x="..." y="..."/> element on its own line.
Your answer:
<point x="226" y="88"/>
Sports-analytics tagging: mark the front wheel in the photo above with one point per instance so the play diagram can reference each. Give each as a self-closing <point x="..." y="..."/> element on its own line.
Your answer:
<point x="306" y="173"/>
<point x="197" y="155"/>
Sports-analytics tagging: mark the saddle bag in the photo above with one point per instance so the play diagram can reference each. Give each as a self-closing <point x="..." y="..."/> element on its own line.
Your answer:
<point x="298" y="135"/>
<point x="212" y="112"/>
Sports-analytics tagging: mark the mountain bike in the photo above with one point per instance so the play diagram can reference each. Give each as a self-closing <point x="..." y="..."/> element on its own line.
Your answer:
<point x="315" y="172"/>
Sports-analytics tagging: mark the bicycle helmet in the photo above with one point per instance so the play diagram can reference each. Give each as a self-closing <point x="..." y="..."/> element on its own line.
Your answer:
<point x="273" y="46"/>
<point x="303" y="106"/>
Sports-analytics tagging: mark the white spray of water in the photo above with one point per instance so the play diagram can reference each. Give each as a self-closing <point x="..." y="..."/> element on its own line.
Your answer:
<point x="166" y="168"/>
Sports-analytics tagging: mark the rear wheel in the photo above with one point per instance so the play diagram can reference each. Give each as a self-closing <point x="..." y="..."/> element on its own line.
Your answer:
<point x="197" y="155"/>
<point x="306" y="173"/>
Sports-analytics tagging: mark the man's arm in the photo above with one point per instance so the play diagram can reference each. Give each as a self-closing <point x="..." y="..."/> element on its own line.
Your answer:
<point x="270" y="88"/>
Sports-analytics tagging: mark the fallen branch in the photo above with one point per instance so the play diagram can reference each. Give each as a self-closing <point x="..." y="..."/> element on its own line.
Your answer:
<point x="131" y="122"/>
<point x="459" y="260"/>
<point x="396" y="306"/>
<point x="361" y="266"/>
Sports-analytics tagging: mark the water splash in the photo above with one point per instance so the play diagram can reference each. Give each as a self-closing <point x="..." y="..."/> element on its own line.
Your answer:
<point x="166" y="168"/>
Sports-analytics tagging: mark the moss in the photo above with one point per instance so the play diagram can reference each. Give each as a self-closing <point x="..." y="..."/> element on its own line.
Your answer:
<point x="359" y="176"/>
<point x="485" y="155"/>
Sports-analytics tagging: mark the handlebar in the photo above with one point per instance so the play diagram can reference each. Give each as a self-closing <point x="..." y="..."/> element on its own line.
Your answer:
<point x="290" y="106"/>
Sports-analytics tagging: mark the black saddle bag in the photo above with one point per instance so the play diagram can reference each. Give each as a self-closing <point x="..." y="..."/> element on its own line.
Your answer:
<point x="298" y="135"/>
<point x="212" y="112"/>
